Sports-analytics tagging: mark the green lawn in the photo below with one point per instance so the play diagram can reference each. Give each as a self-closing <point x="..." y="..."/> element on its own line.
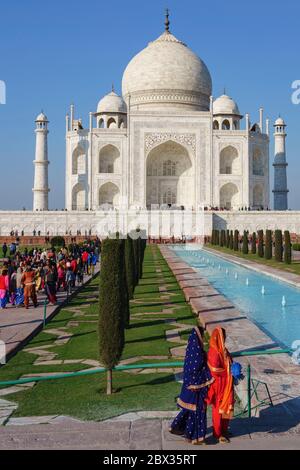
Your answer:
<point x="292" y="268"/>
<point x="84" y="397"/>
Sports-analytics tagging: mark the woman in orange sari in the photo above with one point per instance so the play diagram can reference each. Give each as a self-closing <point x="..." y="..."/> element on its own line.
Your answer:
<point x="221" y="393"/>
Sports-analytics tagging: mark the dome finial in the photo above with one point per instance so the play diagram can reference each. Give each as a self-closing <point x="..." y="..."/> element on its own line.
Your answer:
<point x="167" y="22"/>
<point x="112" y="87"/>
<point x="224" y="90"/>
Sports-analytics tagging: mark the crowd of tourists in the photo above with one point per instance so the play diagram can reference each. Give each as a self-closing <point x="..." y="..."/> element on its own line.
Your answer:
<point x="23" y="275"/>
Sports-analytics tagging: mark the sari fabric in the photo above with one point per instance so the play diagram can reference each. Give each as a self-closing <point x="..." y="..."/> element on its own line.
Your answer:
<point x="4" y="287"/>
<point x="191" y="421"/>
<point x="221" y="393"/>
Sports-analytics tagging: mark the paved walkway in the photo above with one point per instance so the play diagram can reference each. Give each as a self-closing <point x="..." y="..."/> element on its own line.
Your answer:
<point x="18" y="325"/>
<point x="147" y="434"/>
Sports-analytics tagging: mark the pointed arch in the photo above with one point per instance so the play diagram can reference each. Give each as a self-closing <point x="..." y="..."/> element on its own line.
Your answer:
<point x="258" y="196"/>
<point x="109" y="159"/>
<point x="169" y="177"/>
<point x="109" y="194"/>
<point x="229" y="196"/>
<point x="258" y="162"/>
<point x="78" y="198"/>
<point x="78" y="161"/>
<point x="111" y="123"/>
<point x="229" y="161"/>
<point x="226" y="125"/>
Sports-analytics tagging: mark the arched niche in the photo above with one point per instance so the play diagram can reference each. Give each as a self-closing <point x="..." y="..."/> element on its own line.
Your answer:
<point x="229" y="161"/>
<point x="169" y="175"/>
<point x="229" y="196"/>
<point x="109" y="159"/>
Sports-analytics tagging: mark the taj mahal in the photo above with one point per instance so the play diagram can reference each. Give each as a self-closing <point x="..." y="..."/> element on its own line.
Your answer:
<point x="165" y="145"/>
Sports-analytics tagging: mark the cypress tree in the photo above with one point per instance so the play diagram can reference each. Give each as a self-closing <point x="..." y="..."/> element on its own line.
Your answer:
<point x="231" y="240"/>
<point x="253" y="243"/>
<point x="129" y="264"/>
<point x="245" y="243"/>
<point x="287" y="247"/>
<point x="212" y="237"/>
<point x="227" y="238"/>
<point x="278" y="245"/>
<point x="260" y="247"/>
<point x="142" y="247"/>
<point x="217" y="237"/>
<point x="268" y="248"/>
<point x="236" y="240"/>
<point x="136" y="256"/>
<point x="222" y="239"/>
<point x="111" y="306"/>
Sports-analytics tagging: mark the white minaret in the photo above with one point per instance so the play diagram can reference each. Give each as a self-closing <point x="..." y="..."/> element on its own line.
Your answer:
<point x="41" y="190"/>
<point x="280" y="179"/>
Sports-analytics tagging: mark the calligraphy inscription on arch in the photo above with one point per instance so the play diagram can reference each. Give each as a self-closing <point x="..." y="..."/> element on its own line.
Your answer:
<point x="156" y="138"/>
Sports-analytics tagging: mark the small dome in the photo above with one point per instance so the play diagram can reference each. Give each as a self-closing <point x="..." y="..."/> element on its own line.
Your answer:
<point x="41" y="118"/>
<point x="279" y="122"/>
<point x="167" y="72"/>
<point x="225" y="105"/>
<point x="112" y="103"/>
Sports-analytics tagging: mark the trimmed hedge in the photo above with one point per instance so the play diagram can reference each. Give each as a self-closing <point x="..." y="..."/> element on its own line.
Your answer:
<point x="231" y="240"/>
<point x="227" y="238"/>
<point x="287" y="248"/>
<point x="260" y="247"/>
<point x="236" y="240"/>
<point x="268" y="248"/>
<point x="278" y="245"/>
<point x="223" y="238"/>
<point x="245" y="243"/>
<point x="253" y="244"/>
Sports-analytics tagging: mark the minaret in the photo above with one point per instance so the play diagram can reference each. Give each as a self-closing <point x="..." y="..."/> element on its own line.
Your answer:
<point x="41" y="190"/>
<point x="280" y="179"/>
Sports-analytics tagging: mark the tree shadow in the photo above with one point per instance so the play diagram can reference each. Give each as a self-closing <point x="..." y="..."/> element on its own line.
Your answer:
<point x="157" y="381"/>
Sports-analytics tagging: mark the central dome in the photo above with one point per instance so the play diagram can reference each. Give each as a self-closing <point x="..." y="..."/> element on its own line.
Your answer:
<point x="167" y="73"/>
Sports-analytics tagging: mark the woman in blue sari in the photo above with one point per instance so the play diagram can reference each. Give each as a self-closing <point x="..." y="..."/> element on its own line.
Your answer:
<point x="191" y="421"/>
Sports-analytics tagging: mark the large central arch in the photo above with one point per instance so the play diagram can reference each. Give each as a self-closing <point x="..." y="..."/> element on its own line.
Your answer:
<point x="169" y="176"/>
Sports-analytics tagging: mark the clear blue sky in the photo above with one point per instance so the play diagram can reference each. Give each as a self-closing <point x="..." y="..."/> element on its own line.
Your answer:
<point x="55" y="52"/>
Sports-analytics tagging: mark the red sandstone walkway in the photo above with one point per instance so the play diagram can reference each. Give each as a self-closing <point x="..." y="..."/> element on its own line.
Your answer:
<point x="18" y="325"/>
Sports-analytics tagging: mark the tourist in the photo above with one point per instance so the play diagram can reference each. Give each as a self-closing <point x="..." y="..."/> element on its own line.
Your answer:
<point x="191" y="421"/>
<point x="50" y="284"/>
<point x="80" y="271"/>
<point x="4" y="249"/>
<point x="74" y="270"/>
<point x="70" y="279"/>
<point x="4" y="286"/>
<point x="61" y="276"/>
<point x="85" y="257"/>
<point x="28" y="280"/>
<point x="19" y="299"/>
<point x="94" y="259"/>
<point x="13" y="286"/>
<point x="221" y="393"/>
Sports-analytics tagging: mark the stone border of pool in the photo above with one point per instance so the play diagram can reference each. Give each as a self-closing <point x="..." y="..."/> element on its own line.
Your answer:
<point x="213" y="309"/>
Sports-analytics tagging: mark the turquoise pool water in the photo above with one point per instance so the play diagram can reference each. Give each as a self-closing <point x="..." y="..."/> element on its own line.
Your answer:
<point x="282" y="324"/>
